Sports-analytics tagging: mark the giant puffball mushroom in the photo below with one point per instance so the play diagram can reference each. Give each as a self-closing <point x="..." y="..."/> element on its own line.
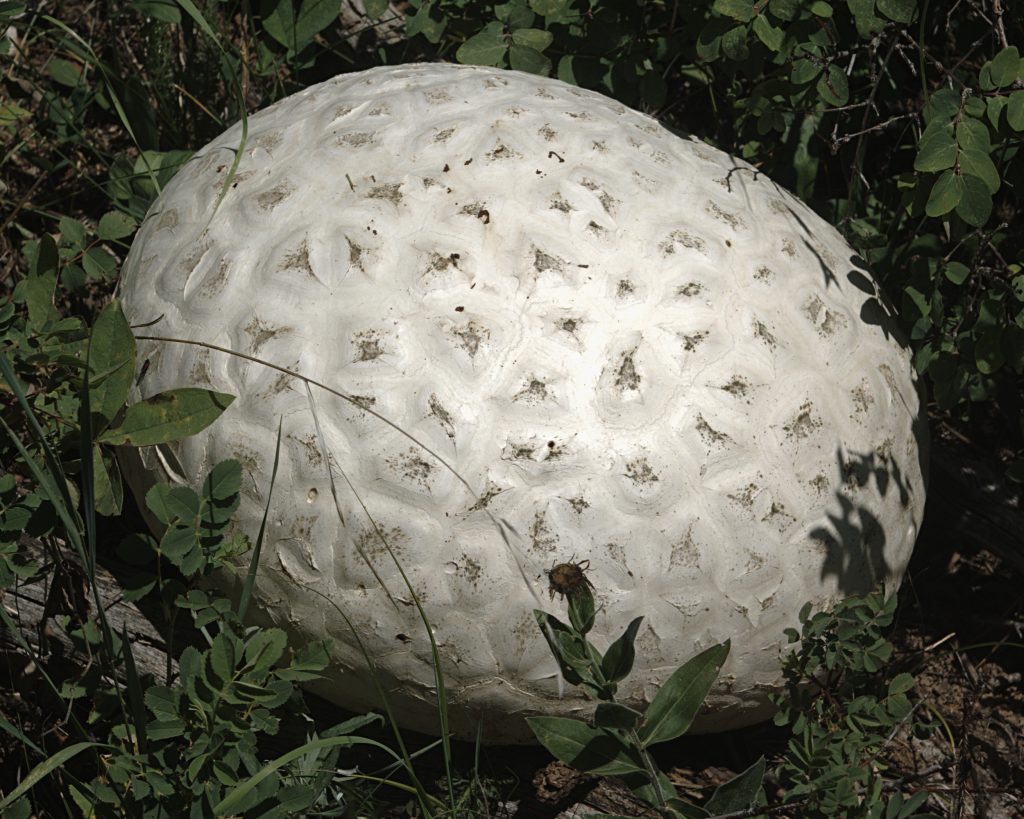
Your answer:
<point x="636" y="350"/>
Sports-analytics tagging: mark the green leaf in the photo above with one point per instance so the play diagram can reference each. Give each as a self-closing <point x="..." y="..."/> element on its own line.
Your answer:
<point x="616" y="715"/>
<point x="265" y="648"/>
<point x="108" y="489"/>
<point x="956" y="272"/>
<point x="785" y="9"/>
<point x="296" y="31"/>
<point x="975" y="205"/>
<point x="680" y="698"/>
<point x="741" y="10"/>
<point x="524" y="58"/>
<point x="618" y="659"/>
<point x="549" y="7"/>
<point x="819" y="8"/>
<point x="988" y="351"/>
<point x="164" y="10"/>
<point x="486" y="47"/>
<point x="901" y="683"/>
<point x="994" y="107"/>
<point x="115" y="225"/>
<point x="375" y="8"/>
<point x="595" y="750"/>
<point x="72" y="231"/>
<point x="224" y="481"/>
<point x="581" y="609"/>
<point x="739" y="793"/>
<point x="99" y="263"/>
<point x="833" y="87"/>
<point x="734" y="44"/>
<point x="168" y="416"/>
<point x="944" y="104"/>
<point x="804" y="71"/>
<point x="946" y="194"/>
<point x="422" y="23"/>
<point x="38" y="293"/>
<point x="514" y="14"/>
<point x="111" y="364"/>
<point x="222" y="656"/>
<point x="768" y="34"/>
<point x="173" y="503"/>
<point x="534" y="38"/>
<point x="980" y="164"/>
<point x="64" y="72"/>
<point x="937" y="149"/>
<point x="1006" y="67"/>
<point x="973" y="133"/>
<point x="1015" y="111"/>
<point x="899" y="11"/>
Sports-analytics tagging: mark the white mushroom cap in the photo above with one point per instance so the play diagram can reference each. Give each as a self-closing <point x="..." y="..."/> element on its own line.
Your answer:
<point x="637" y="350"/>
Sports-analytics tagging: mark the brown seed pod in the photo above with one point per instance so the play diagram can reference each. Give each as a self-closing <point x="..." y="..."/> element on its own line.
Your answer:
<point x="567" y="578"/>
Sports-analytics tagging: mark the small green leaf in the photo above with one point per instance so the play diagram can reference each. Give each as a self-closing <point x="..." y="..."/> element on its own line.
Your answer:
<point x="375" y="8"/>
<point x="486" y="47"/>
<point x="296" y="31"/>
<point x="595" y="750"/>
<point x="64" y="72"/>
<point x="988" y="351"/>
<point x="108" y="489"/>
<point x="819" y="8"/>
<point x="768" y="34"/>
<point x="616" y="715"/>
<point x="739" y="793"/>
<point x="265" y="648"/>
<point x="680" y="698"/>
<point x="534" y="38"/>
<point x="168" y="416"/>
<point x="524" y="58"/>
<point x="224" y="481"/>
<point x="111" y="364"/>
<point x="72" y="231"/>
<point x="944" y="104"/>
<point x="422" y="23"/>
<point x="901" y="683"/>
<point x="946" y="194"/>
<point x="734" y="44"/>
<point x="804" y="71"/>
<point x="1006" y="67"/>
<point x="581" y="609"/>
<point x="549" y="7"/>
<point x="115" y="225"/>
<point x="741" y="10"/>
<point x="1015" y="111"/>
<point x="514" y="14"/>
<point x="785" y="9"/>
<point x="833" y="87"/>
<point x="937" y="149"/>
<point x="980" y="164"/>
<point x="618" y="659"/>
<point x="973" y="133"/>
<point x="99" y="264"/>
<point x="166" y="11"/>
<point x="899" y="11"/>
<point x="956" y="272"/>
<point x="975" y="205"/>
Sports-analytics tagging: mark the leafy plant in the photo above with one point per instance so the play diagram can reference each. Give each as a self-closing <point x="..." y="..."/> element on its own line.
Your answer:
<point x="619" y="738"/>
<point x="843" y="712"/>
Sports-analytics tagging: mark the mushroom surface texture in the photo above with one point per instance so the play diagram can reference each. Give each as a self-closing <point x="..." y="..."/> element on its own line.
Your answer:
<point x="638" y="353"/>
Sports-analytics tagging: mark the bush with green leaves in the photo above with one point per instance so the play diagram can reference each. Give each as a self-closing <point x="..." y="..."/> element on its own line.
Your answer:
<point x="844" y="711"/>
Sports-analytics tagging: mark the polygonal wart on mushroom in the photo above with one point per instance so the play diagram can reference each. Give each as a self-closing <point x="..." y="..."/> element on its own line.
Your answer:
<point x="638" y="351"/>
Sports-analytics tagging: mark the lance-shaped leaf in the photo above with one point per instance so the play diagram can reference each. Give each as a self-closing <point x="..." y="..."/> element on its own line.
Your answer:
<point x="680" y="698"/>
<point x="168" y="416"/>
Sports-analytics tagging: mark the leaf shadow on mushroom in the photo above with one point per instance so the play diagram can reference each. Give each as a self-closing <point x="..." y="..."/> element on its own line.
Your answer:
<point x="855" y="541"/>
